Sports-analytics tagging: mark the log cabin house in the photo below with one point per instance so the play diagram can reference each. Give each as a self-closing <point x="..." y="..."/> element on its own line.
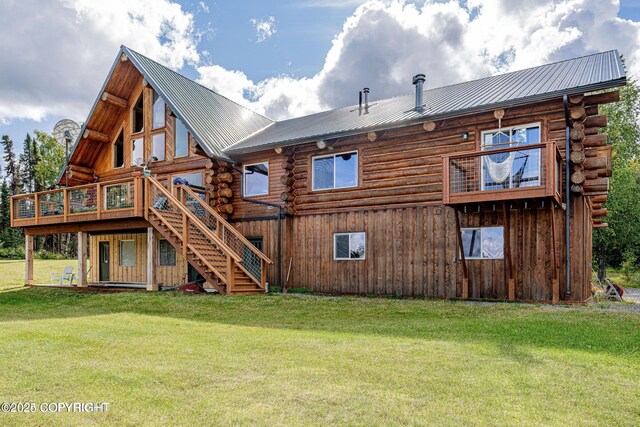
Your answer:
<point x="487" y="189"/>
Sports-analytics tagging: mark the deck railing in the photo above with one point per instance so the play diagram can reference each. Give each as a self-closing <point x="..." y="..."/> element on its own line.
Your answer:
<point x="516" y="172"/>
<point x="102" y="200"/>
<point x="254" y="261"/>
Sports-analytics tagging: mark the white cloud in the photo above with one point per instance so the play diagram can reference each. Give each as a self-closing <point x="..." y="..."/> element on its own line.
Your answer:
<point x="265" y="28"/>
<point x="204" y="7"/>
<point x="59" y="50"/>
<point x="384" y="43"/>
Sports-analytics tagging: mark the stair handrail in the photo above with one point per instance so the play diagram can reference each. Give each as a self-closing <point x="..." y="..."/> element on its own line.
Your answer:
<point x="225" y="224"/>
<point x="194" y="220"/>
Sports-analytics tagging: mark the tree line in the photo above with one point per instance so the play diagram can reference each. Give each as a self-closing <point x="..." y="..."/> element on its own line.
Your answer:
<point x="33" y="170"/>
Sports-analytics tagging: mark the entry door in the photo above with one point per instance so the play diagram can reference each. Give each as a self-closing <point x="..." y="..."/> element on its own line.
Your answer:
<point x="104" y="261"/>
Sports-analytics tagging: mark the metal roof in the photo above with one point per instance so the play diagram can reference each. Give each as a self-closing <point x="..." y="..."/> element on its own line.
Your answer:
<point x="214" y="121"/>
<point x="585" y="74"/>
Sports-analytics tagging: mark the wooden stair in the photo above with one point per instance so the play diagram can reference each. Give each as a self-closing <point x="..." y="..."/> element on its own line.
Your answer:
<point x="216" y="262"/>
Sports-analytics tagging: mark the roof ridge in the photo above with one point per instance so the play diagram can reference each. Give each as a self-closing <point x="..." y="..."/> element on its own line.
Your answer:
<point x="126" y="48"/>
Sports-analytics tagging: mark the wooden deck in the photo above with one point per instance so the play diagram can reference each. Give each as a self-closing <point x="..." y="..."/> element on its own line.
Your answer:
<point x="100" y="201"/>
<point x="534" y="172"/>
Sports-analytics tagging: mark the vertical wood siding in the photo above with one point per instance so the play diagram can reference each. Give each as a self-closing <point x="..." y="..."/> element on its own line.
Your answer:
<point x="166" y="275"/>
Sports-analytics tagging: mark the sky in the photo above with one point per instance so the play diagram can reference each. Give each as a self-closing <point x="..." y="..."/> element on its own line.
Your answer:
<point x="289" y="58"/>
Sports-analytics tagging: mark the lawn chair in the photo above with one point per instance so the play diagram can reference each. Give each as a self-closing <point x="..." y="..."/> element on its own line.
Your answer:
<point x="67" y="275"/>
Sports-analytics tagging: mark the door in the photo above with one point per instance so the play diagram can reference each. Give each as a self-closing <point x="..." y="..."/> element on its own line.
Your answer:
<point x="104" y="261"/>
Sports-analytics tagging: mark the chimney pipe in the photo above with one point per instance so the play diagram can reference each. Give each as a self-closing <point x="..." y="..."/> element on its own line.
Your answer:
<point x="418" y="81"/>
<point x="366" y="97"/>
<point x="360" y="100"/>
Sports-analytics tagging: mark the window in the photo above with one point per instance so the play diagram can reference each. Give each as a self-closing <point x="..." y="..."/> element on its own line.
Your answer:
<point x="137" y="151"/>
<point x="193" y="179"/>
<point x="137" y="118"/>
<point x="347" y="246"/>
<point x="514" y="169"/>
<point x="158" y="111"/>
<point x="256" y="179"/>
<point x="166" y="253"/>
<point x="182" y="139"/>
<point x="157" y="143"/>
<point x="335" y="171"/>
<point x="127" y="253"/>
<point x="483" y="242"/>
<point x="118" y="151"/>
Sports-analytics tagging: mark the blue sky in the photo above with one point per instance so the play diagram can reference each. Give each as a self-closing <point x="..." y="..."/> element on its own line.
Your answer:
<point x="60" y="54"/>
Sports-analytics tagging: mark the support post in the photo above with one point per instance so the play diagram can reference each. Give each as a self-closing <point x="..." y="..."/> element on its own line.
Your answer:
<point x="465" y="276"/>
<point x="555" y="283"/>
<point x="230" y="275"/>
<point x="82" y="259"/>
<point x="28" y="257"/>
<point x="152" y="283"/>
<point x="511" y="284"/>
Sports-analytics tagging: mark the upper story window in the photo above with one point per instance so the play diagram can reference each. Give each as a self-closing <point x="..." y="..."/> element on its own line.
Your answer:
<point x="483" y="242"/>
<point x="256" y="179"/>
<point x="158" y="111"/>
<point x="181" y="139"/>
<point x="335" y="171"/>
<point x="137" y="115"/>
<point x="118" y="151"/>
<point x="513" y="169"/>
<point x="157" y="146"/>
<point x="137" y="151"/>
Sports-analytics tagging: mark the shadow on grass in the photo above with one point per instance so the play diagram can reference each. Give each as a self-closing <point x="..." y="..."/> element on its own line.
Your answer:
<point x="510" y="327"/>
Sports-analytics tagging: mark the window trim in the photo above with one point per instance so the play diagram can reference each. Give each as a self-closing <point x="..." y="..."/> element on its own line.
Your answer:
<point x="133" y="113"/>
<point x="113" y="149"/>
<point x="175" y="263"/>
<point x="138" y="136"/>
<point x="334" y="155"/>
<point x="510" y="128"/>
<point x="482" y="258"/>
<point x="175" y="139"/>
<point x="120" y="252"/>
<point x="189" y="172"/>
<point x="244" y="179"/>
<point x="164" y="111"/>
<point x="349" y="233"/>
<point x="159" y="131"/>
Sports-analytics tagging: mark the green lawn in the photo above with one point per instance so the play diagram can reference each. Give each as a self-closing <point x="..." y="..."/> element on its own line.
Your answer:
<point x="12" y="271"/>
<point x="171" y="359"/>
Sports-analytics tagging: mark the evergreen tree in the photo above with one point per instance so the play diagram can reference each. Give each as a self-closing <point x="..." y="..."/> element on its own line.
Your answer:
<point x="11" y="166"/>
<point x="50" y="159"/>
<point x="28" y="160"/>
<point x="5" y="209"/>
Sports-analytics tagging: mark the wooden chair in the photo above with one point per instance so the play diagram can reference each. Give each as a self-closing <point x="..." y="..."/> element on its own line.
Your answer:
<point x="67" y="275"/>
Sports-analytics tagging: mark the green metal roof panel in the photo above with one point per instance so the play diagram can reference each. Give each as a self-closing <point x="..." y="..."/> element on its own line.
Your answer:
<point x="578" y="75"/>
<point x="215" y="122"/>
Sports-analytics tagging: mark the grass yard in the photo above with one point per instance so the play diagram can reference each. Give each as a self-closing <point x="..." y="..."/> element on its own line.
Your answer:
<point x="171" y="359"/>
<point x="12" y="271"/>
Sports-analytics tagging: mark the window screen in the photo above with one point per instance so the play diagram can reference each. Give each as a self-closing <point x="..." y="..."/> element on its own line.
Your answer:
<point x="335" y="171"/>
<point x="127" y="253"/>
<point x="483" y="242"/>
<point x="166" y="253"/>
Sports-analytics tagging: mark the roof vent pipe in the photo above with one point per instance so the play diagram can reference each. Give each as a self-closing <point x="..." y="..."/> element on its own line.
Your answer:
<point x="418" y="81"/>
<point x="366" y="97"/>
<point x="360" y="100"/>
